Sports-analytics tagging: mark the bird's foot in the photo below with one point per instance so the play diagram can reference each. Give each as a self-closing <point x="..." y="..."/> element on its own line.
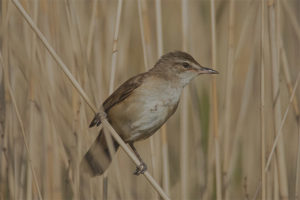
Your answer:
<point x="96" y="121"/>
<point x="140" y="169"/>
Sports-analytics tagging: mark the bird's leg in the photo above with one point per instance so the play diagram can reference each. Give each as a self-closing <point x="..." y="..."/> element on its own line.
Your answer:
<point x="142" y="167"/>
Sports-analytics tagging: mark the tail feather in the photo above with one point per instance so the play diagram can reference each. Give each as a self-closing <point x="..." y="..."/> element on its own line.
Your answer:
<point x="98" y="158"/>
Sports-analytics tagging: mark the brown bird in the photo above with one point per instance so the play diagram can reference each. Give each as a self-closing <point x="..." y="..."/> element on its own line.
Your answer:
<point x="141" y="105"/>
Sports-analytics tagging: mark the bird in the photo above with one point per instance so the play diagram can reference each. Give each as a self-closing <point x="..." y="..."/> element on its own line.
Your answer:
<point x="140" y="106"/>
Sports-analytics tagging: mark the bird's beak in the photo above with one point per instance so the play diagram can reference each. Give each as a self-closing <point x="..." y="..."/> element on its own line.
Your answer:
<point x="205" y="70"/>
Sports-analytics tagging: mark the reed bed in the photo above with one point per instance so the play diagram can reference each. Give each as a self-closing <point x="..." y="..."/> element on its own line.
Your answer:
<point x="234" y="136"/>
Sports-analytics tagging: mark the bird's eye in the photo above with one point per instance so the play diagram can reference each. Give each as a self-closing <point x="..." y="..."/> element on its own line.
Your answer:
<point x="186" y="65"/>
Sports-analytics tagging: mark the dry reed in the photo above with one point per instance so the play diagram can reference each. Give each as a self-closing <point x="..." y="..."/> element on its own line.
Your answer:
<point x="215" y="104"/>
<point x="262" y="102"/>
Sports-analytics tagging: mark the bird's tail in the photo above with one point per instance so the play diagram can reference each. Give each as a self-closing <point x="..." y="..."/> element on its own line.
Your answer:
<point x="98" y="158"/>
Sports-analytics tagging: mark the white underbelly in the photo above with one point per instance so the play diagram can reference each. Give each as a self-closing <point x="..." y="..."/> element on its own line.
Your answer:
<point x="153" y="115"/>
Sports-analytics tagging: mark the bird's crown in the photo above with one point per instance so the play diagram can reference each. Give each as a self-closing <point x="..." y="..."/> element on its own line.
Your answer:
<point x="177" y="56"/>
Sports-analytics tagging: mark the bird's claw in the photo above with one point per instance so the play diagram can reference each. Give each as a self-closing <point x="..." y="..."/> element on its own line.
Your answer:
<point x="140" y="169"/>
<point x="96" y="121"/>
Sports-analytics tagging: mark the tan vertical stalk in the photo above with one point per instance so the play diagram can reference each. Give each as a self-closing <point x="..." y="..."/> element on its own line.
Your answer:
<point x="245" y="31"/>
<point x="228" y="93"/>
<point x="143" y="26"/>
<point x="145" y="35"/>
<point x="262" y="102"/>
<point x="276" y="192"/>
<point x="184" y="112"/>
<point x="276" y="99"/>
<point x="115" y="45"/>
<point x="111" y="87"/>
<point x="3" y="172"/>
<point x="91" y="30"/>
<point x="11" y="129"/>
<point x="215" y="103"/>
<point x="297" y="184"/>
<point x="164" y="140"/>
<point x="159" y="31"/>
<point x="76" y="104"/>
<point x="31" y="110"/>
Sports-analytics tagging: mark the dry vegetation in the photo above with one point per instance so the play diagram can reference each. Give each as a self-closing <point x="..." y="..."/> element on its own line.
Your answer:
<point x="220" y="144"/>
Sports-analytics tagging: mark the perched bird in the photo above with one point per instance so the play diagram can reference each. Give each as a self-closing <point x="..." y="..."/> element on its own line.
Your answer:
<point x="141" y="105"/>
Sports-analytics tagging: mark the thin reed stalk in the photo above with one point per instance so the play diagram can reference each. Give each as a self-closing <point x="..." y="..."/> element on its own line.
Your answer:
<point x="245" y="33"/>
<point x="276" y="190"/>
<point x="144" y="29"/>
<point x="165" y="160"/>
<point x="111" y="87"/>
<point x="297" y="184"/>
<point x="215" y="103"/>
<point x="115" y="46"/>
<point x="76" y="101"/>
<point x="104" y="121"/>
<point x="262" y="101"/>
<point x="159" y="28"/>
<point x="91" y="30"/>
<point x="164" y="140"/>
<point x="31" y="109"/>
<point x="184" y="118"/>
<point x="276" y="100"/>
<point x="228" y="90"/>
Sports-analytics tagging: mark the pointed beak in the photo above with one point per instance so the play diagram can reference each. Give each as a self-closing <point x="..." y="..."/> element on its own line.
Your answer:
<point x="205" y="70"/>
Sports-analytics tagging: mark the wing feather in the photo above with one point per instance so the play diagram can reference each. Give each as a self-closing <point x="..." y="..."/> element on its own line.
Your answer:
<point x="120" y="94"/>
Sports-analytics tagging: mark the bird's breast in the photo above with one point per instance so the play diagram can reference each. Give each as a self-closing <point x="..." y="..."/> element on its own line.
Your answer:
<point x="144" y="111"/>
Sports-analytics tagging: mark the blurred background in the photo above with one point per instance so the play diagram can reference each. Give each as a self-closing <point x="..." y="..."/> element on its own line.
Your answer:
<point x="217" y="144"/>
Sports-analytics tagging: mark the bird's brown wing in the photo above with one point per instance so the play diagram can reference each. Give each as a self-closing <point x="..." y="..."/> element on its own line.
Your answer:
<point x="124" y="91"/>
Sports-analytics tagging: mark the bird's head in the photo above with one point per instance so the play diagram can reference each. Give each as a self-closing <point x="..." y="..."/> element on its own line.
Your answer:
<point x="181" y="66"/>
